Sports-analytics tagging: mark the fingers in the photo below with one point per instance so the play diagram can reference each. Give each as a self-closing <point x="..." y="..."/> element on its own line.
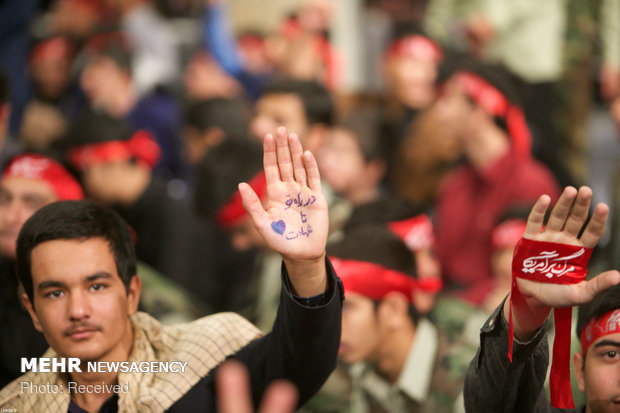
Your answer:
<point x="280" y="397"/>
<point x="270" y="160"/>
<point x="298" y="163"/>
<point x="537" y="216"/>
<point x="285" y="162"/>
<point x="560" y="211"/>
<point x="596" y="227"/>
<point x="579" y="213"/>
<point x="312" y="168"/>
<point x="252" y="204"/>
<point x="233" y="392"/>
<point x="598" y="284"/>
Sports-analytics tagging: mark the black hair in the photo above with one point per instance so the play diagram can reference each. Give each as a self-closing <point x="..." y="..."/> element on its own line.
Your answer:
<point x="382" y="211"/>
<point x="5" y="95"/>
<point x="316" y="99"/>
<point x="229" y="115"/>
<point x="496" y="74"/>
<point x="376" y="244"/>
<point x="218" y="174"/>
<point x="603" y="303"/>
<point x="75" y="220"/>
<point x="93" y="127"/>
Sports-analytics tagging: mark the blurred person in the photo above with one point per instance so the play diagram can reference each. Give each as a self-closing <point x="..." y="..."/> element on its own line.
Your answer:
<point x="410" y="66"/>
<point x="15" y="17"/>
<point x="95" y="295"/>
<point x="303" y="106"/>
<point x="399" y="360"/>
<point x="205" y="79"/>
<point x="108" y="83"/>
<point x="352" y="158"/>
<point x="208" y="122"/>
<point x="518" y="325"/>
<point x="425" y="157"/>
<point x="116" y="167"/>
<point x="498" y="171"/>
<point x="42" y="125"/>
<point x="156" y="56"/>
<point x="29" y="182"/>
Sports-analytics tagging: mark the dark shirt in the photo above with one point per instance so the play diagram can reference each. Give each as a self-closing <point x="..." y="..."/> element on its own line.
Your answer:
<point x="493" y="384"/>
<point x="302" y="347"/>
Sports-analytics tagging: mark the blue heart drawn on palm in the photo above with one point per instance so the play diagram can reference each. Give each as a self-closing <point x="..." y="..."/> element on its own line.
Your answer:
<point x="278" y="226"/>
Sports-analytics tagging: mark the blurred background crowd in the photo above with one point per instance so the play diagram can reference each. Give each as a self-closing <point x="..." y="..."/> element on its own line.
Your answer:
<point x="436" y="125"/>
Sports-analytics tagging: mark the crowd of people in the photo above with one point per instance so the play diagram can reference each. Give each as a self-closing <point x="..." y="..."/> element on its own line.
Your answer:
<point x="388" y="241"/>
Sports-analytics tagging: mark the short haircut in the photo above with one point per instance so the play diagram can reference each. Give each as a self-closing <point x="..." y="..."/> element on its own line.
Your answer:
<point x="4" y="88"/>
<point x="603" y="303"/>
<point x="316" y="99"/>
<point x="218" y="174"/>
<point x="229" y="115"/>
<point x="75" y="220"/>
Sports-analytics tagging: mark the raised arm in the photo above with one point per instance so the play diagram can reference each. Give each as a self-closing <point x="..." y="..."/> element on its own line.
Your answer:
<point x="293" y="218"/>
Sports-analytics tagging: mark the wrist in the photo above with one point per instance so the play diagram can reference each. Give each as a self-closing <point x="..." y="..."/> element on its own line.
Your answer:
<point x="308" y="277"/>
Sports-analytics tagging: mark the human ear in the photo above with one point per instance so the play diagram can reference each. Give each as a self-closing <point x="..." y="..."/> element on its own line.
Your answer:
<point x="578" y="367"/>
<point x="133" y="295"/>
<point x="33" y="314"/>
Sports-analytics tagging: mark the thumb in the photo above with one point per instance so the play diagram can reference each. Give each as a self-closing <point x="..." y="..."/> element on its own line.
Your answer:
<point x="600" y="283"/>
<point x="252" y="204"/>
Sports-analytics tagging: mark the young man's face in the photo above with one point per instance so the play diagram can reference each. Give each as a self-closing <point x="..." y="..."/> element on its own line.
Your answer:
<point x="360" y="329"/>
<point x="341" y="161"/>
<point x="19" y="199"/>
<point x="412" y="80"/>
<point x="600" y="377"/>
<point x="80" y="302"/>
<point x="279" y="109"/>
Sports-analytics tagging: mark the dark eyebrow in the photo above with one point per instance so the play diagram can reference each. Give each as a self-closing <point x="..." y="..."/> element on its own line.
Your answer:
<point x="56" y="284"/>
<point x="607" y="343"/>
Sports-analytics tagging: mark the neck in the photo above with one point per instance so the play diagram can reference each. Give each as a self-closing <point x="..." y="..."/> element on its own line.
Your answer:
<point x="395" y="353"/>
<point x="363" y="195"/>
<point x="93" y="400"/>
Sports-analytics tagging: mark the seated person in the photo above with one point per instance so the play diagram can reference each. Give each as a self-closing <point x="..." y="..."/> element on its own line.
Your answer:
<point x="493" y="383"/>
<point x="399" y="361"/>
<point x="77" y="264"/>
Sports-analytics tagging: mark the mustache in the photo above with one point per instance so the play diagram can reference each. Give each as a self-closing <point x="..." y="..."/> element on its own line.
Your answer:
<point x="81" y="326"/>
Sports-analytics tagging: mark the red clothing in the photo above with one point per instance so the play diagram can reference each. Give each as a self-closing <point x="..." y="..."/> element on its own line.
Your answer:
<point x="467" y="210"/>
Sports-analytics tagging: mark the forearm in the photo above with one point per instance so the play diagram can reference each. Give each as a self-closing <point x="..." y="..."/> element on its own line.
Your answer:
<point x="527" y="317"/>
<point x="308" y="277"/>
<point x="494" y="384"/>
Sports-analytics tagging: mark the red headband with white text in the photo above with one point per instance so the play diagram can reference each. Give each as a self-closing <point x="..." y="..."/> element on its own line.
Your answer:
<point x="233" y="212"/>
<point x="595" y="329"/>
<point x="38" y="167"/>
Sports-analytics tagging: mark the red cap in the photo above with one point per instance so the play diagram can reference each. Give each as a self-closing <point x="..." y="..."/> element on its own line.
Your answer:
<point x="416" y="46"/>
<point x="38" y="167"/>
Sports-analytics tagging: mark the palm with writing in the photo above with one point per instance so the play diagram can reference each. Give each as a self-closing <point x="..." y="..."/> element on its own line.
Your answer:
<point x="566" y="220"/>
<point x="293" y="218"/>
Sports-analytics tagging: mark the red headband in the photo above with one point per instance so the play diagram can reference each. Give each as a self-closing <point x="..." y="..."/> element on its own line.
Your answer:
<point x="373" y="280"/>
<point x="495" y="103"/>
<point x="141" y="146"/>
<point x="232" y="212"/>
<point x="508" y="233"/>
<point x="595" y="329"/>
<point x="54" y="48"/>
<point x="416" y="46"/>
<point x="38" y="167"/>
<point x="416" y="232"/>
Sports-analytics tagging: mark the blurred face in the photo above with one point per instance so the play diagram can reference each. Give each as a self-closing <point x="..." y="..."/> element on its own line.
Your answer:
<point x="453" y="109"/>
<point x="279" y="109"/>
<point x="600" y="379"/>
<point x="244" y="236"/>
<point x="19" y="199"/>
<point x="102" y="79"/>
<point x="51" y="76"/>
<point x="81" y="304"/>
<point x="341" y="161"/>
<point x="501" y="264"/>
<point x="360" y="329"/>
<point x="412" y="80"/>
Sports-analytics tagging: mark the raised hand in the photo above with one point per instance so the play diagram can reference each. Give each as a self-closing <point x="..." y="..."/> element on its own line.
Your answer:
<point x="234" y="395"/>
<point x="565" y="223"/>
<point x="293" y="218"/>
